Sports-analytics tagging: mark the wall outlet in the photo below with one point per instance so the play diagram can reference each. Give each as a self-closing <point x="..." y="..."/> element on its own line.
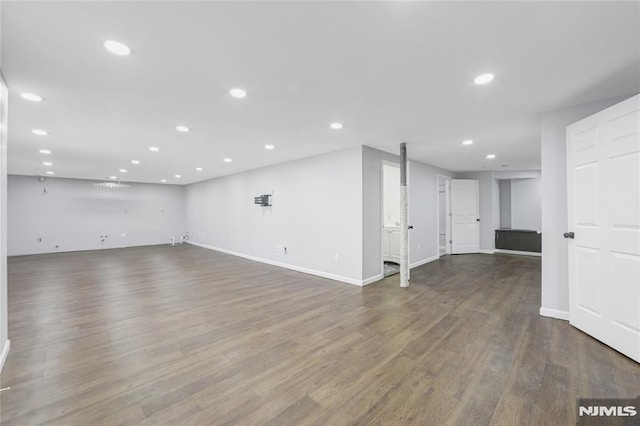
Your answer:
<point x="336" y="257"/>
<point x="39" y="239"/>
<point x="284" y="249"/>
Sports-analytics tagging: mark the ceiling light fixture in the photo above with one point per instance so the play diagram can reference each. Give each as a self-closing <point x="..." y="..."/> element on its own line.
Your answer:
<point x="269" y="146"/>
<point x="50" y="172"/>
<point x="45" y="151"/>
<point x="123" y="170"/>
<point x="227" y="160"/>
<point x="31" y="97"/>
<point x="47" y="163"/>
<point x="336" y="126"/>
<point x="483" y="79"/>
<point x="39" y="132"/>
<point x="178" y="176"/>
<point x="182" y="129"/>
<point x="135" y="162"/>
<point x="467" y="142"/>
<point x="154" y="149"/>
<point x="117" y="48"/>
<point x="111" y="185"/>
<point x="198" y="169"/>
<point x="491" y="156"/>
<point x="163" y="180"/>
<point x="238" y="93"/>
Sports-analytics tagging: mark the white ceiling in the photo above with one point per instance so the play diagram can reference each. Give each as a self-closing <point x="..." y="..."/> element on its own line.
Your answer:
<point x="390" y="71"/>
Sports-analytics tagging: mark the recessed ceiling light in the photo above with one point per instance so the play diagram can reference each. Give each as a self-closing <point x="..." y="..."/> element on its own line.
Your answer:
<point x="491" y="156"/>
<point x="39" y="132"/>
<point x="50" y="172"/>
<point x="45" y="151"/>
<point x="154" y="149"/>
<point x="336" y="126"/>
<point x="467" y="142"/>
<point x="183" y="129"/>
<point x="117" y="48"/>
<point x="135" y="162"/>
<point x="483" y="79"/>
<point x="113" y="177"/>
<point x="198" y="169"/>
<point x="47" y="163"/>
<point x="238" y="93"/>
<point x="31" y="97"/>
<point x="178" y="176"/>
<point x="269" y="146"/>
<point x="227" y="160"/>
<point x="163" y="180"/>
<point x="123" y="170"/>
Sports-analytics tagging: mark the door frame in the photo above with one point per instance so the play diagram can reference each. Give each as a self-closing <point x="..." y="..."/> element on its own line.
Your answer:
<point x="382" y="164"/>
<point x="447" y="214"/>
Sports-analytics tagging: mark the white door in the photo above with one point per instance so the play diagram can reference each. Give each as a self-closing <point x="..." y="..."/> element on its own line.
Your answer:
<point x="465" y="218"/>
<point x="603" y="195"/>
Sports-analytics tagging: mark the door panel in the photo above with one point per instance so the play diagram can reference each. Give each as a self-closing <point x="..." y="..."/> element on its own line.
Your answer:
<point x="603" y="195"/>
<point x="465" y="228"/>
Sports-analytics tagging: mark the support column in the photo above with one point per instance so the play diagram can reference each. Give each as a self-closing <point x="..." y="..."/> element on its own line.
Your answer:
<point x="404" y="225"/>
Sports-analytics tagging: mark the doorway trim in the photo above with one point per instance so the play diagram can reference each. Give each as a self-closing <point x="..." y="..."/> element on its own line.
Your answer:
<point x="382" y="164"/>
<point x="447" y="214"/>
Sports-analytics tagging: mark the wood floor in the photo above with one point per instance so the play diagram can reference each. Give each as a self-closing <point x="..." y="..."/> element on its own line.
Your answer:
<point x="184" y="335"/>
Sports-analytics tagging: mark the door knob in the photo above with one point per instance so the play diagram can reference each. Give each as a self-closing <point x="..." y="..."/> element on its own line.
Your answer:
<point x="570" y="235"/>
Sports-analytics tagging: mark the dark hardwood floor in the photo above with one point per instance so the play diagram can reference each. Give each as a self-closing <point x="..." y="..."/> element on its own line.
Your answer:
<point x="184" y="335"/>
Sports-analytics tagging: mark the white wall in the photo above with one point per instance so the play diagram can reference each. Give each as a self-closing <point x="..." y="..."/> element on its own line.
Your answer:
<point x="72" y="214"/>
<point x="423" y="211"/>
<point x="526" y="203"/>
<point x="555" y="283"/>
<point x="505" y="203"/>
<point x="4" y="332"/>
<point x="391" y="195"/>
<point x="316" y="214"/>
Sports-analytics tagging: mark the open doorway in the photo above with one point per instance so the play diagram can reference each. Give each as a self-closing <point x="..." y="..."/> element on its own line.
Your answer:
<point x="390" y="218"/>
<point x="444" y="215"/>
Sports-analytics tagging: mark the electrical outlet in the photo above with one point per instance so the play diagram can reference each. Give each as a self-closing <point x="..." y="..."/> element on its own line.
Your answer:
<point x="285" y="250"/>
<point x="39" y="239"/>
<point x="336" y="257"/>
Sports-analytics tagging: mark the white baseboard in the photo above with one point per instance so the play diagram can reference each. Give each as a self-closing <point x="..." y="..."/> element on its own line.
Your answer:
<point x="4" y="354"/>
<point x="322" y="274"/>
<point x="372" y="279"/>
<point x="423" y="262"/>
<point x="486" y="251"/>
<point x="554" y="313"/>
<point x="523" y="253"/>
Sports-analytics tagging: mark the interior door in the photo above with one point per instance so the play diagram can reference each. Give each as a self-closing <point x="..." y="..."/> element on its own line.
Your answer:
<point x="465" y="218"/>
<point x="603" y="194"/>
